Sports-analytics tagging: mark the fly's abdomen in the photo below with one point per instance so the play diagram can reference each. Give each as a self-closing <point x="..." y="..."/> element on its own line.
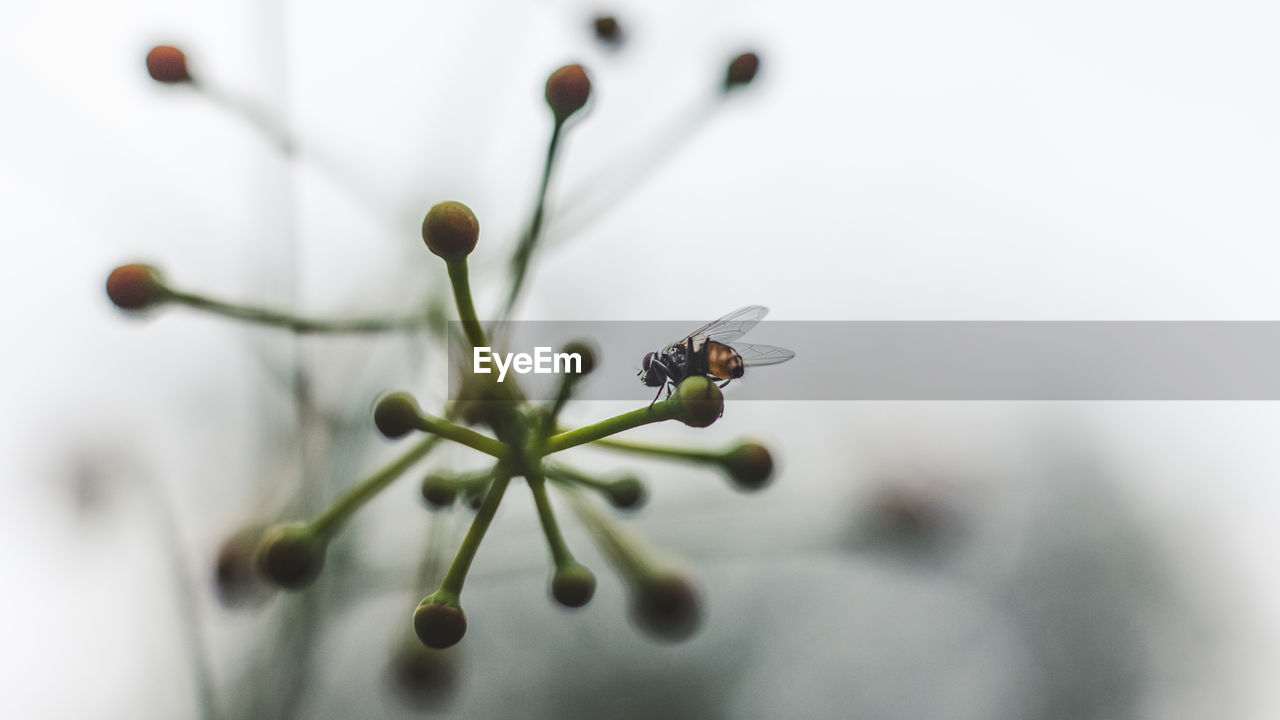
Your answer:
<point x="723" y="361"/>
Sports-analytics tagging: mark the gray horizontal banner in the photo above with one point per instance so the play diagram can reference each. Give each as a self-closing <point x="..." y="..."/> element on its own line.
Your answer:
<point x="923" y="360"/>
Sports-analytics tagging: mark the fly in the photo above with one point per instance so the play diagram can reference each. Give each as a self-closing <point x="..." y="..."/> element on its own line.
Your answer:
<point x="706" y="351"/>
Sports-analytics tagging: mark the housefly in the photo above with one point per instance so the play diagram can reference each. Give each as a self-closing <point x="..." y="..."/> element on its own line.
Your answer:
<point x="706" y="351"/>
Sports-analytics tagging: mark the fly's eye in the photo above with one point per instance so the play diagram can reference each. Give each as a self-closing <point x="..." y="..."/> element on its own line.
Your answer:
<point x="648" y="360"/>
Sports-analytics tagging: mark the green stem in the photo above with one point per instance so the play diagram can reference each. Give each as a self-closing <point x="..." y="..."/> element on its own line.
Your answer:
<point x="263" y="316"/>
<point x="559" y="550"/>
<point x="631" y="559"/>
<point x="665" y="410"/>
<point x="457" y="574"/>
<point x="461" y="435"/>
<point x="459" y="278"/>
<point x="524" y="251"/>
<point x="705" y="456"/>
<point x="564" y="475"/>
<point x="331" y="520"/>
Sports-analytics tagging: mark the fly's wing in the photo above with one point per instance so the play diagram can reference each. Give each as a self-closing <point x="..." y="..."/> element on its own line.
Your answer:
<point x="757" y="355"/>
<point x="731" y="326"/>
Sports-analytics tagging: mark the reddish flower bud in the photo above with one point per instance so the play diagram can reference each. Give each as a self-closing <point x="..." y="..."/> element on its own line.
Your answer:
<point x="567" y="91"/>
<point x="167" y="64"/>
<point x="135" y="287"/>
<point x="450" y="230"/>
<point x="742" y="70"/>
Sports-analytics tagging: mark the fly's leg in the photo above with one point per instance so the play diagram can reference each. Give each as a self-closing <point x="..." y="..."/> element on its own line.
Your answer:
<point x="655" y="395"/>
<point x="726" y="382"/>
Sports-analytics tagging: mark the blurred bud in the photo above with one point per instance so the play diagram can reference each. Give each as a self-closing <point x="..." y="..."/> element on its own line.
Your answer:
<point x="749" y="466"/>
<point x="396" y="415"/>
<point x="573" y="585"/>
<point x="741" y="71"/>
<point x="584" y="351"/>
<point x="699" y="402"/>
<point x="136" y="287"/>
<point x="439" y="491"/>
<point x="291" y="556"/>
<point x="666" y="606"/>
<point x="423" y="677"/>
<point x="167" y="64"/>
<point x="567" y="91"/>
<point x="626" y="493"/>
<point x="450" y="230"/>
<point x="607" y="30"/>
<point x="439" y="621"/>
<point x="236" y="577"/>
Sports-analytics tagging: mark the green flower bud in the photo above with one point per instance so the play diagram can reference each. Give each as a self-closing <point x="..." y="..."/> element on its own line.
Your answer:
<point x="439" y="620"/>
<point x="291" y="556"/>
<point x="439" y="491"/>
<point x="235" y="576"/>
<point x="424" y="678"/>
<point x="626" y="493"/>
<point x="749" y="466"/>
<point x="666" y="605"/>
<point x="136" y="287"/>
<point x="450" y="230"/>
<point x="167" y="64"/>
<point x="396" y="415"/>
<point x="584" y="351"/>
<point x="699" y="402"/>
<point x="573" y="585"/>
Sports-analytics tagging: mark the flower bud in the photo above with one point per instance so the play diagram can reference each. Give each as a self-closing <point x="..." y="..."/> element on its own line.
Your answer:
<point x="424" y="678"/>
<point x="666" y="605"/>
<point x="439" y="620"/>
<point x="136" y="287"/>
<point x="450" y="230"/>
<point x="626" y="493"/>
<point x="749" y="466"/>
<point x="235" y="575"/>
<point x="167" y="64"/>
<point x="439" y="491"/>
<point x="291" y="556"/>
<point x="607" y="30"/>
<point x="573" y="585"/>
<point x="567" y="91"/>
<point x="741" y="71"/>
<point x="584" y="351"/>
<point x="699" y="401"/>
<point x="396" y="415"/>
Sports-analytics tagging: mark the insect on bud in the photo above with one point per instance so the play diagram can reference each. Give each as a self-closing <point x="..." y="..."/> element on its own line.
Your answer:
<point x="573" y="585"/>
<point x="741" y="71"/>
<point x="450" y="230"/>
<point x="136" y="287"/>
<point x="168" y="64"/>
<point x="291" y="556"/>
<point x="699" y="402"/>
<point x="567" y="91"/>
<point x="666" y="605"/>
<point x="396" y="415"/>
<point x="439" y="621"/>
<point x="749" y="466"/>
<point x="626" y="493"/>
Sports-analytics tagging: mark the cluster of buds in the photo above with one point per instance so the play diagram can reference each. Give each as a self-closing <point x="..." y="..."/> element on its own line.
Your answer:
<point x="522" y="439"/>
